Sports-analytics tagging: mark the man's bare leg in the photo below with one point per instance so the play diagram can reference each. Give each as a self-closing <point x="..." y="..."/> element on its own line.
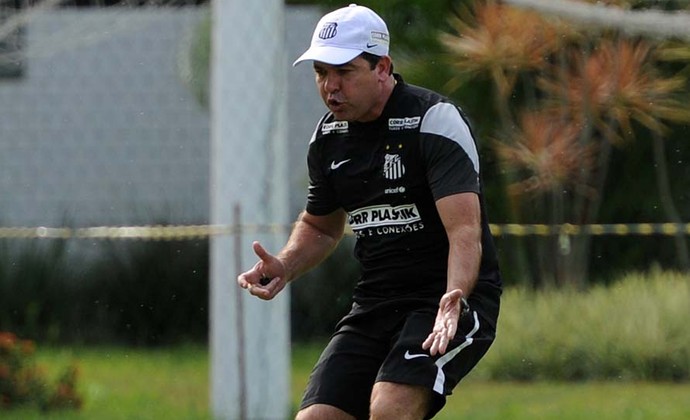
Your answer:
<point x="391" y="401"/>
<point x="321" y="412"/>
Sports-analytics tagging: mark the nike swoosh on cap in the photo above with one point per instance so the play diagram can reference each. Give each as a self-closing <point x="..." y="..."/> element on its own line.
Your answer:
<point x="409" y="356"/>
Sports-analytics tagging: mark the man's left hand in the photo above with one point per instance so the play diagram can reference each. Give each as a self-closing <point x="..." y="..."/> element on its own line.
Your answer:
<point x="446" y="324"/>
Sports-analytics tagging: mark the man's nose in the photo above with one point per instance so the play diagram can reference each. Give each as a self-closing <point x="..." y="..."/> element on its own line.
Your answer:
<point x="332" y="83"/>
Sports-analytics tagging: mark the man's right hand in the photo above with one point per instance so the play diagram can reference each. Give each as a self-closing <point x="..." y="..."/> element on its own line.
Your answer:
<point x="267" y="268"/>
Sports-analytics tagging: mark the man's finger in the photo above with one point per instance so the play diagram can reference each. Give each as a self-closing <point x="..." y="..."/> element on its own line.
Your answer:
<point x="429" y="340"/>
<point x="443" y="345"/>
<point x="259" y="292"/>
<point x="242" y="281"/>
<point x="452" y="329"/>
<point x="436" y="345"/>
<point x="260" y="251"/>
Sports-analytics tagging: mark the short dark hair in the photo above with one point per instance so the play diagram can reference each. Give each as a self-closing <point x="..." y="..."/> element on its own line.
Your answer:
<point x="373" y="60"/>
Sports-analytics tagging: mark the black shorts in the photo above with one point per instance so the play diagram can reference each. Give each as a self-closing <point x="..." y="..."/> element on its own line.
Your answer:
<point x="387" y="346"/>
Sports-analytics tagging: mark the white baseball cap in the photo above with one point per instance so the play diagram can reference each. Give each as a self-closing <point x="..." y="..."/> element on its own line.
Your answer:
<point x="343" y="34"/>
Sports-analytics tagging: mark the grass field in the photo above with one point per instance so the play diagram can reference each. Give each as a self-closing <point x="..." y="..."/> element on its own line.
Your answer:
<point x="481" y="399"/>
<point x="121" y="383"/>
<point x="609" y="341"/>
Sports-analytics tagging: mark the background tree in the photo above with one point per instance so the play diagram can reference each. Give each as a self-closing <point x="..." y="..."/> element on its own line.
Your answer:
<point x="564" y="99"/>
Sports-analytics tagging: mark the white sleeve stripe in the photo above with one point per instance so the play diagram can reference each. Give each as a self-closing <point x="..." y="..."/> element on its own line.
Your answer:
<point x="444" y="119"/>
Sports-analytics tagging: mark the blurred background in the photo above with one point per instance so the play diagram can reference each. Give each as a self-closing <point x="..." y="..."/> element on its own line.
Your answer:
<point x="580" y="109"/>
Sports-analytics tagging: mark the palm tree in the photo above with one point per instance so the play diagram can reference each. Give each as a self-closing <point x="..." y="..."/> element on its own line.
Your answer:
<point x="614" y="86"/>
<point x="550" y="163"/>
<point x="588" y="96"/>
<point x="501" y="42"/>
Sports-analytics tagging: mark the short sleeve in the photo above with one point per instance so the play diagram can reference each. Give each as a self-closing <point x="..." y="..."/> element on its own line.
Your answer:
<point x="449" y="152"/>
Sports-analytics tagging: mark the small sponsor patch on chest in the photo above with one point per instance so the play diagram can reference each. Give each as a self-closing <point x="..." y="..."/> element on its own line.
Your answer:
<point x="407" y="123"/>
<point x="335" y="127"/>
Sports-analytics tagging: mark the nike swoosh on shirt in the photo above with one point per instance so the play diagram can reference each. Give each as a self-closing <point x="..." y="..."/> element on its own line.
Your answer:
<point x="409" y="356"/>
<point x="335" y="166"/>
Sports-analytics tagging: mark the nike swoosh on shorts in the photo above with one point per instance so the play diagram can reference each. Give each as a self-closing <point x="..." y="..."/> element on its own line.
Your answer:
<point x="409" y="356"/>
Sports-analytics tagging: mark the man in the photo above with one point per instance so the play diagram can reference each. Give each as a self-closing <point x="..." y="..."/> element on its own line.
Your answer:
<point x="399" y="164"/>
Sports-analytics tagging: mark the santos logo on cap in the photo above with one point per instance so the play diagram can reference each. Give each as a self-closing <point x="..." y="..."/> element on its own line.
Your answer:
<point x="329" y="30"/>
<point x="342" y="35"/>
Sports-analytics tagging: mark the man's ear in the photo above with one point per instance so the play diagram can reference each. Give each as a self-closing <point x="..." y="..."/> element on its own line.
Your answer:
<point x="383" y="68"/>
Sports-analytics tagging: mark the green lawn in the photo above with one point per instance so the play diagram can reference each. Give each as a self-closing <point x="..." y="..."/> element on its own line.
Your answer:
<point x="121" y="383"/>
<point x="607" y="400"/>
<point x="480" y="399"/>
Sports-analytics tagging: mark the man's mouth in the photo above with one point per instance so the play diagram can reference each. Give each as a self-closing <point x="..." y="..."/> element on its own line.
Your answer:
<point x="335" y="103"/>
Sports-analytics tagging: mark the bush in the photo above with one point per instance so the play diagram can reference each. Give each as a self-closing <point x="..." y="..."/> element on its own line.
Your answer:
<point x="323" y="295"/>
<point x="150" y="293"/>
<point x="144" y="293"/>
<point x="34" y="286"/>
<point x="635" y="329"/>
<point x="22" y="383"/>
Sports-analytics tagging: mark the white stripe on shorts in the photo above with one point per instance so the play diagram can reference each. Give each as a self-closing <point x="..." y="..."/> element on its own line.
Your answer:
<point x="440" y="376"/>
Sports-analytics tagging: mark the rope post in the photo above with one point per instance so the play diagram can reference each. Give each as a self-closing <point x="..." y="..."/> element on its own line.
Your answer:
<point x="249" y="338"/>
<point x="239" y="316"/>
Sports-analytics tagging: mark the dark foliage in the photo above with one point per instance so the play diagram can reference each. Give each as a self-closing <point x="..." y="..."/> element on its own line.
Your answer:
<point x="144" y="293"/>
<point x="323" y="296"/>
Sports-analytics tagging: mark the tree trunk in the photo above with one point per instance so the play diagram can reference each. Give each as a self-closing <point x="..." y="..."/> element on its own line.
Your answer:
<point x="666" y="197"/>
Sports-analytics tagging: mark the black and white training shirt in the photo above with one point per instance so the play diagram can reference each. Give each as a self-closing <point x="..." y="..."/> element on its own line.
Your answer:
<point x="387" y="175"/>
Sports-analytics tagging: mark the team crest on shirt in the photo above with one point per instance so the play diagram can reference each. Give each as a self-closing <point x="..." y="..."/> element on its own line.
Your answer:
<point x="393" y="167"/>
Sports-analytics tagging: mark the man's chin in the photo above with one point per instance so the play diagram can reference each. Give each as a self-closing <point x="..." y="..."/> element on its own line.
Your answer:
<point x="340" y="115"/>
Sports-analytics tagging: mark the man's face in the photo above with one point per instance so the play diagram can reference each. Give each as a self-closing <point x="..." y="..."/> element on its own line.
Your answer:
<point x="352" y="91"/>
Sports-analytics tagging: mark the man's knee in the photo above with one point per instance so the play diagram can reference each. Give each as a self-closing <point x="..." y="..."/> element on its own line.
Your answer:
<point x="322" y="411"/>
<point x="398" y="401"/>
